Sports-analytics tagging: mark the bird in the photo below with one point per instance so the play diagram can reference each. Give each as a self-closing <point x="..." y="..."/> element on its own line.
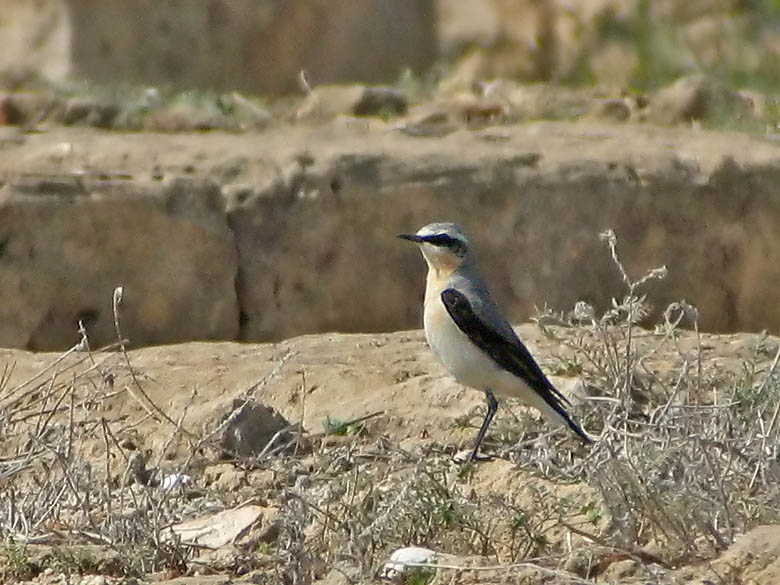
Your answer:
<point x="468" y="334"/>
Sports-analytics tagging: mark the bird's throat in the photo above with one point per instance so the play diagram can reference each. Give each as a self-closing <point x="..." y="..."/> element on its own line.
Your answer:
<point x="438" y="278"/>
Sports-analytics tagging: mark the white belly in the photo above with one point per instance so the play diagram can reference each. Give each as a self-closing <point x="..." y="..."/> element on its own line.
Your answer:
<point x="465" y="361"/>
<point x="474" y="368"/>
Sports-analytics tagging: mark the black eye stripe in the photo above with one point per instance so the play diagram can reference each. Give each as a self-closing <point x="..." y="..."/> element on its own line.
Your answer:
<point x="443" y="240"/>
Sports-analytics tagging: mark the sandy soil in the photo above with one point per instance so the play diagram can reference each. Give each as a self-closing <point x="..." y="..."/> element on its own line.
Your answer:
<point x="416" y="422"/>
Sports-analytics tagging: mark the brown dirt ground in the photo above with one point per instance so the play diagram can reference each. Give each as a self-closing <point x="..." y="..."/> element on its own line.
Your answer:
<point x="347" y="377"/>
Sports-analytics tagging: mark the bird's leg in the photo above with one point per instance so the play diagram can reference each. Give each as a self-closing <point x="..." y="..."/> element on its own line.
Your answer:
<point x="492" y="406"/>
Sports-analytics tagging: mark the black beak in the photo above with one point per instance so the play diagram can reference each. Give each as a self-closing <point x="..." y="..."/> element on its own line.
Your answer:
<point x="411" y="237"/>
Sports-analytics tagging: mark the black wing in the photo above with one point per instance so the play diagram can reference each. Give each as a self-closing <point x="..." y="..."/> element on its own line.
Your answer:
<point x="511" y="355"/>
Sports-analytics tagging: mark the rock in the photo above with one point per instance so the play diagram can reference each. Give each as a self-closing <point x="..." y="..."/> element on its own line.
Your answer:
<point x="546" y="102"/>
<point x="258" y="577"/>
<point x="621" y="571"/>
<point x="615" y="110"/>
<point x="251" y="428"/>
<point x="269" y="530"/>
<point x="20" y="109"/>
<point x="262" y="479"/>
<point x="250" y="45"/>
<point x="225" y="477"/>
<point x="89" y="112"/>
<point x="690" y="98"/>
<point x="218" y="530"/>
<point x="449" y="113"/>
<point x="186" y="118"/>
<point x="328" y="101"/>
<point x="66" y="244"/>
<point x="477" y="111"/>
<point x="137" y="467"/>
<point x="213" y="472"/>
<point x="578" y="562"/>
<point x="397" y="566"/>
<point x="429" y="120"/>
<point x="380" y="100"/>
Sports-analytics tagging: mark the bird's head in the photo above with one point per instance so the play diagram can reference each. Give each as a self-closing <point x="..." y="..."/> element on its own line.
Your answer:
<point x="443" y="245"/>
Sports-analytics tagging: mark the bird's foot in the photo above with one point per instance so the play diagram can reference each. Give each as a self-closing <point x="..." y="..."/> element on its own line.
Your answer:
<point x="470" y="456"/>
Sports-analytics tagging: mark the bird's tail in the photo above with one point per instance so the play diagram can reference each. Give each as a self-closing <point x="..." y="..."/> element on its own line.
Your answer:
<point x="555" y="413"/>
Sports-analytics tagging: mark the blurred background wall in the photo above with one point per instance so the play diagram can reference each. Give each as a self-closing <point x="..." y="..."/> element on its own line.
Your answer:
<point x="261" y="45"/>
<point x="250" y="45"/>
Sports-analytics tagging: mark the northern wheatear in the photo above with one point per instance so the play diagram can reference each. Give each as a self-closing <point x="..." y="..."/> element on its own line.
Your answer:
<point x="472" y="339"/>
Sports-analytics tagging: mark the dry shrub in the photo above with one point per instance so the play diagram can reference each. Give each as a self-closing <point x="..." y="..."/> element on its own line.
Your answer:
<point x="687" y="454"/>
